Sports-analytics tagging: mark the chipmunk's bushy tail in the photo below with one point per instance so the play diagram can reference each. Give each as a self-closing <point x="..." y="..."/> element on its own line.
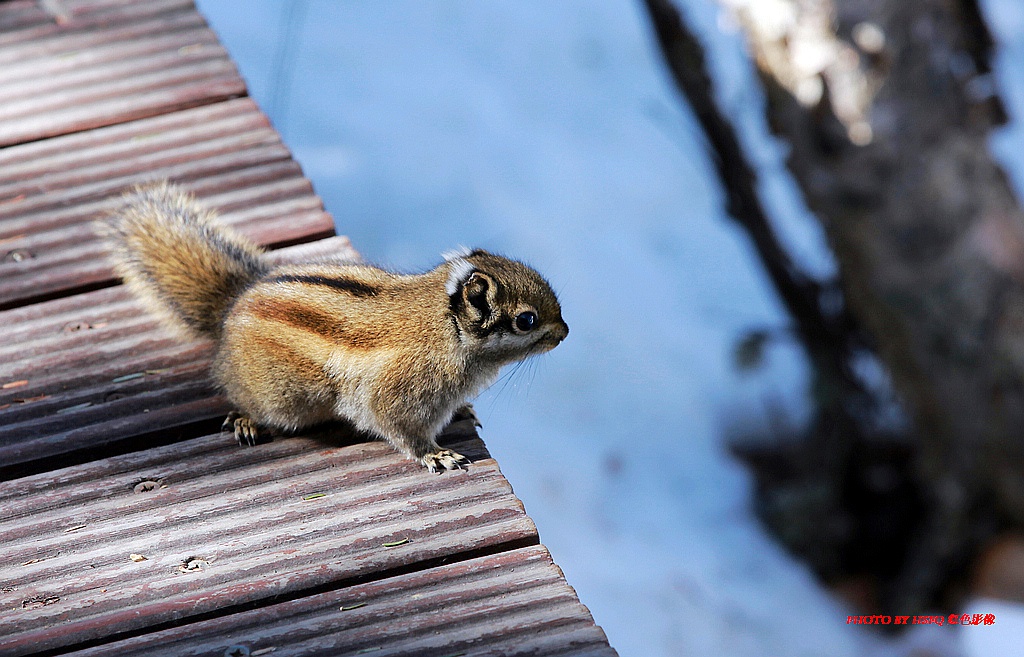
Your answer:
<point x="174" y="254"/>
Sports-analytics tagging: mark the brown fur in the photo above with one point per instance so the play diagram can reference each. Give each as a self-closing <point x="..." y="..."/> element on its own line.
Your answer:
<point x="397" y="355"/>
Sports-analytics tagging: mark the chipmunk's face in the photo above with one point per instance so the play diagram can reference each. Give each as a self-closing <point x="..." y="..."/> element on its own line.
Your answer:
<point x="502" y="307"/>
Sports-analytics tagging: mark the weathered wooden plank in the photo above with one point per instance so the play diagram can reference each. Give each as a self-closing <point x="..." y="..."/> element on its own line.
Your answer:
<point x="169" y="91"/>
<point x="78" y="66"/>
<point x="512" y="603"/>
<point x="100" y="63"/>
<point x="32" y="21"/>
<point x="19" y="14"/>
<point x="52" y="191"/>
<point x="247" y="513"/>
<point x="108" y="144"/>
<point x="28" y="96"/>
<point x="95" y="369"/>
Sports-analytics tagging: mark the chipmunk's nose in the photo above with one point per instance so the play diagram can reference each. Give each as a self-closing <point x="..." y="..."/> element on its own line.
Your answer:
<point x="560" y="331"/>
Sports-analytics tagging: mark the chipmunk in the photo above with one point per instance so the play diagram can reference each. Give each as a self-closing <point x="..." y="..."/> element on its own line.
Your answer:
<point x="396" y="355"/>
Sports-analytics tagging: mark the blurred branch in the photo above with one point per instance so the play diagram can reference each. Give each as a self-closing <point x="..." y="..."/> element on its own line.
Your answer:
<point x="831" y="337"/>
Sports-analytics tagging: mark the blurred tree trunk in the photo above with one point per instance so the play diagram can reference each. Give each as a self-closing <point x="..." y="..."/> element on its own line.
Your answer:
<point x="887" y="105"/>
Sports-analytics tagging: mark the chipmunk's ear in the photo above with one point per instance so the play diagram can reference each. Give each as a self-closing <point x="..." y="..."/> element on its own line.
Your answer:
<point x="479" y="291"/>
<point x="459" y="271"/>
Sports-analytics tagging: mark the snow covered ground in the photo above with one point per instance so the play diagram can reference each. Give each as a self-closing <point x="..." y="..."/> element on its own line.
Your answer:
<point x="549" y="131"/>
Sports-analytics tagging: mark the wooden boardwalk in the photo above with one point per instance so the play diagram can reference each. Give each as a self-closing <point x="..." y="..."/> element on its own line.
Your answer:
<point x="129" y="525"/>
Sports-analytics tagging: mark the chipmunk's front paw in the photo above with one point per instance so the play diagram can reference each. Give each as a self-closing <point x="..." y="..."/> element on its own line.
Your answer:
<point x="467" y="413"/>
<point x="444" y="459"/>
<point x="244" y="428"/>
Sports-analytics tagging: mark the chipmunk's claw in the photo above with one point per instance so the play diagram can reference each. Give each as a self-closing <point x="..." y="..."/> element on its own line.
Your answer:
<point x="444" y="459"/>
<point x="244" y="429"/>
<point x="229" y="421"/>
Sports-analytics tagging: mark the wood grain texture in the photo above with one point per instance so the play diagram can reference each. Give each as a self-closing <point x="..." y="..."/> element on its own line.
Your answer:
<point x="53" y="191"/>
<point x="84" y="65"/>
<point x="511" y="603"/>
<point x="248" y="514"/>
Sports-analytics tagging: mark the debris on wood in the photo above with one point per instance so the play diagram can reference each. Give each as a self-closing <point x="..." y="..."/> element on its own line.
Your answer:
<point x="36" y="603"/>
<point x="192" y="564"/>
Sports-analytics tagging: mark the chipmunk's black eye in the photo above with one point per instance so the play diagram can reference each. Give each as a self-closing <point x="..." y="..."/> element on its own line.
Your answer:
<point x="526" y="321"/>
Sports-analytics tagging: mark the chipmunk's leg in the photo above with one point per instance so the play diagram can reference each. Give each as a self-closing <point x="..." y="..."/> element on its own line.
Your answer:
<point x="411" y="426"/>
<point x="428" y="452"/>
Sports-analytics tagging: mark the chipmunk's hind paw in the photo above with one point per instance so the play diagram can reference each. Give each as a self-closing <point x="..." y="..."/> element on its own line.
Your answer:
<point x="244" y="429"/>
